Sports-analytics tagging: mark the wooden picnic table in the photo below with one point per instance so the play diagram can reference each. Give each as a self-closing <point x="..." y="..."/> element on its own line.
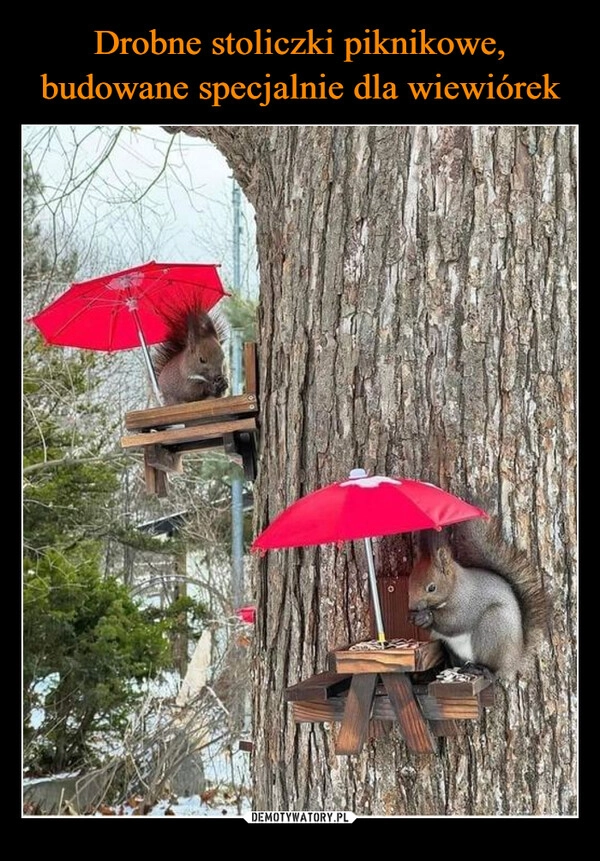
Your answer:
<point x="390" y="685"/>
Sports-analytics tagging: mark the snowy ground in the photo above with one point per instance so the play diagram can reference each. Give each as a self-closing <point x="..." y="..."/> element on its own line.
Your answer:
<point x="220" y="805"/>
<point x="192" y="806"/>
<point x="218" y="800"/>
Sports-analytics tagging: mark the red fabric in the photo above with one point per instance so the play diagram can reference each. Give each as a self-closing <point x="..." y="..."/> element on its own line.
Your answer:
<point x="364" y="508"/>
<point x="246" y="614"/>
<point x="96" y="314"/>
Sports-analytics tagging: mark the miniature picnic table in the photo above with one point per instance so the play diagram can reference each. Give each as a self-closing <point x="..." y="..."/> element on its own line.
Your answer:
<point x="384" y="684"/>
<point x="166" y="433"/>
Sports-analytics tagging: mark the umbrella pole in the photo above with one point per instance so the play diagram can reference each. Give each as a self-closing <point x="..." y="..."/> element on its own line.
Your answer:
<point x="374" y="592"/>
<point x="149" y="365"/>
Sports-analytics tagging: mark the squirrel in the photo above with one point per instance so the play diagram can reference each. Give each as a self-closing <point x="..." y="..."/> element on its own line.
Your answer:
<point x="189" y="364"/>
<point x="479" y="596"/>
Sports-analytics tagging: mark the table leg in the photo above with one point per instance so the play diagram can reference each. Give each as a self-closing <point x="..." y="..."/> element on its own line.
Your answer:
<point x="413" y="725"/>
<point x="355" y="723"/>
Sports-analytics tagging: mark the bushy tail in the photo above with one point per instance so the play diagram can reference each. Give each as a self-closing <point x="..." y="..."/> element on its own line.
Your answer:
<point x="481" y="544"/>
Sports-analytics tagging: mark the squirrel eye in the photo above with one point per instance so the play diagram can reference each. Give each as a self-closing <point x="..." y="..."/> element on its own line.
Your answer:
<point x="431" y="587"/>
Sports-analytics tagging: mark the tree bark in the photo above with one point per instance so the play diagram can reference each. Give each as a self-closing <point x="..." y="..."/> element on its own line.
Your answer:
<point x="417" y="318"/>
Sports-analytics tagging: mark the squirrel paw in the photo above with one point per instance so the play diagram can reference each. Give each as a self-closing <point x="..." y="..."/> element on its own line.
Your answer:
<point x="421" y="618"/>
<point x="220" y="385"/>
<point x="477" y="670"/>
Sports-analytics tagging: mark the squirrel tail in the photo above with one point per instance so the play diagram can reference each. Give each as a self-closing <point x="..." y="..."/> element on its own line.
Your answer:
<point x="481" y="544"/>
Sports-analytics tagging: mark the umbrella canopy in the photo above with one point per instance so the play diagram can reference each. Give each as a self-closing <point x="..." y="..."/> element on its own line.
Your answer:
<point x="129" y="308"/>
<point x="100" y="314"/>
<point x="365" y="506"/>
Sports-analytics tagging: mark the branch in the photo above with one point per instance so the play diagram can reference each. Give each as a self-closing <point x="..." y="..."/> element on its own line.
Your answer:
<point x="70" y="461"/>
<point x="239" y="144"/>
<point x="159" y="174"/>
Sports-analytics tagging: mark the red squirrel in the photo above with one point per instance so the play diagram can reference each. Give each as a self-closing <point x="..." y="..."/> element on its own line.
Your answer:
<point x="479" y="596"/>
<point x="189" y="365"/>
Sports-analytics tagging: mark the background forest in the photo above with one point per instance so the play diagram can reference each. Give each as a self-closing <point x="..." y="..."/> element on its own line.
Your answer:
<point x="113" y="605"/>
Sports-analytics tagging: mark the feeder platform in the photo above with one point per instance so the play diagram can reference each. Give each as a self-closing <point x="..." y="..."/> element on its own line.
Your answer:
<point x="165" y="433"/>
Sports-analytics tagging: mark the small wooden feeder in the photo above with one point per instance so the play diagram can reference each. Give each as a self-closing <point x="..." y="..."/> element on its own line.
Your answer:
<point x="380" y="681"/>
<point x="368" y="689"/>
<point x="165" y="433"/>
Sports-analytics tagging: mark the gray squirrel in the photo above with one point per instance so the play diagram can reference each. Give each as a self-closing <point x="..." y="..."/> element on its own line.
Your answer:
<point x="479" y="596"/>
<point x="190" y="363"/>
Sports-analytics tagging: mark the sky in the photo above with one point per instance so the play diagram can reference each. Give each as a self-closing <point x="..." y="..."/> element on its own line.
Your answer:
<point x="128" y="194"/>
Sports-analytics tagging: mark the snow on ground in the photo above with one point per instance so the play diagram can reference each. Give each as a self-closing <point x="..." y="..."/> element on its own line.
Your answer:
<point x="220" y="805"/>
<point x="226" y="794"/>
<point x="194" y="806"/>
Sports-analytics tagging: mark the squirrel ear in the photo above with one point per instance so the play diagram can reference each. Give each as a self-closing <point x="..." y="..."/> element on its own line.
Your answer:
<point x="221" y="327"/>
<point x="430" y="542"/>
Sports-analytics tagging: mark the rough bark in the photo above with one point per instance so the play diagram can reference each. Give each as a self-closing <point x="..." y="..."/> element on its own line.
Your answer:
<point x="417" y="318"/>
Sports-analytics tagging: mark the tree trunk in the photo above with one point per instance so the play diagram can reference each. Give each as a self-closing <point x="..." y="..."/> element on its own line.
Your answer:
<point x="417" y="318"/>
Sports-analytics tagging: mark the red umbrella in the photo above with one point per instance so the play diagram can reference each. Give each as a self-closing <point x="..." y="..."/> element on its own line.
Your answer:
<point x="127" y="309"/>
<point x="365" y="506"/>
<point x="247" y="614"/>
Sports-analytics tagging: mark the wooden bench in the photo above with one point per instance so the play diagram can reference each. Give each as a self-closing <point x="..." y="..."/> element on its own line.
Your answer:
<point x="165" y="433"/>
